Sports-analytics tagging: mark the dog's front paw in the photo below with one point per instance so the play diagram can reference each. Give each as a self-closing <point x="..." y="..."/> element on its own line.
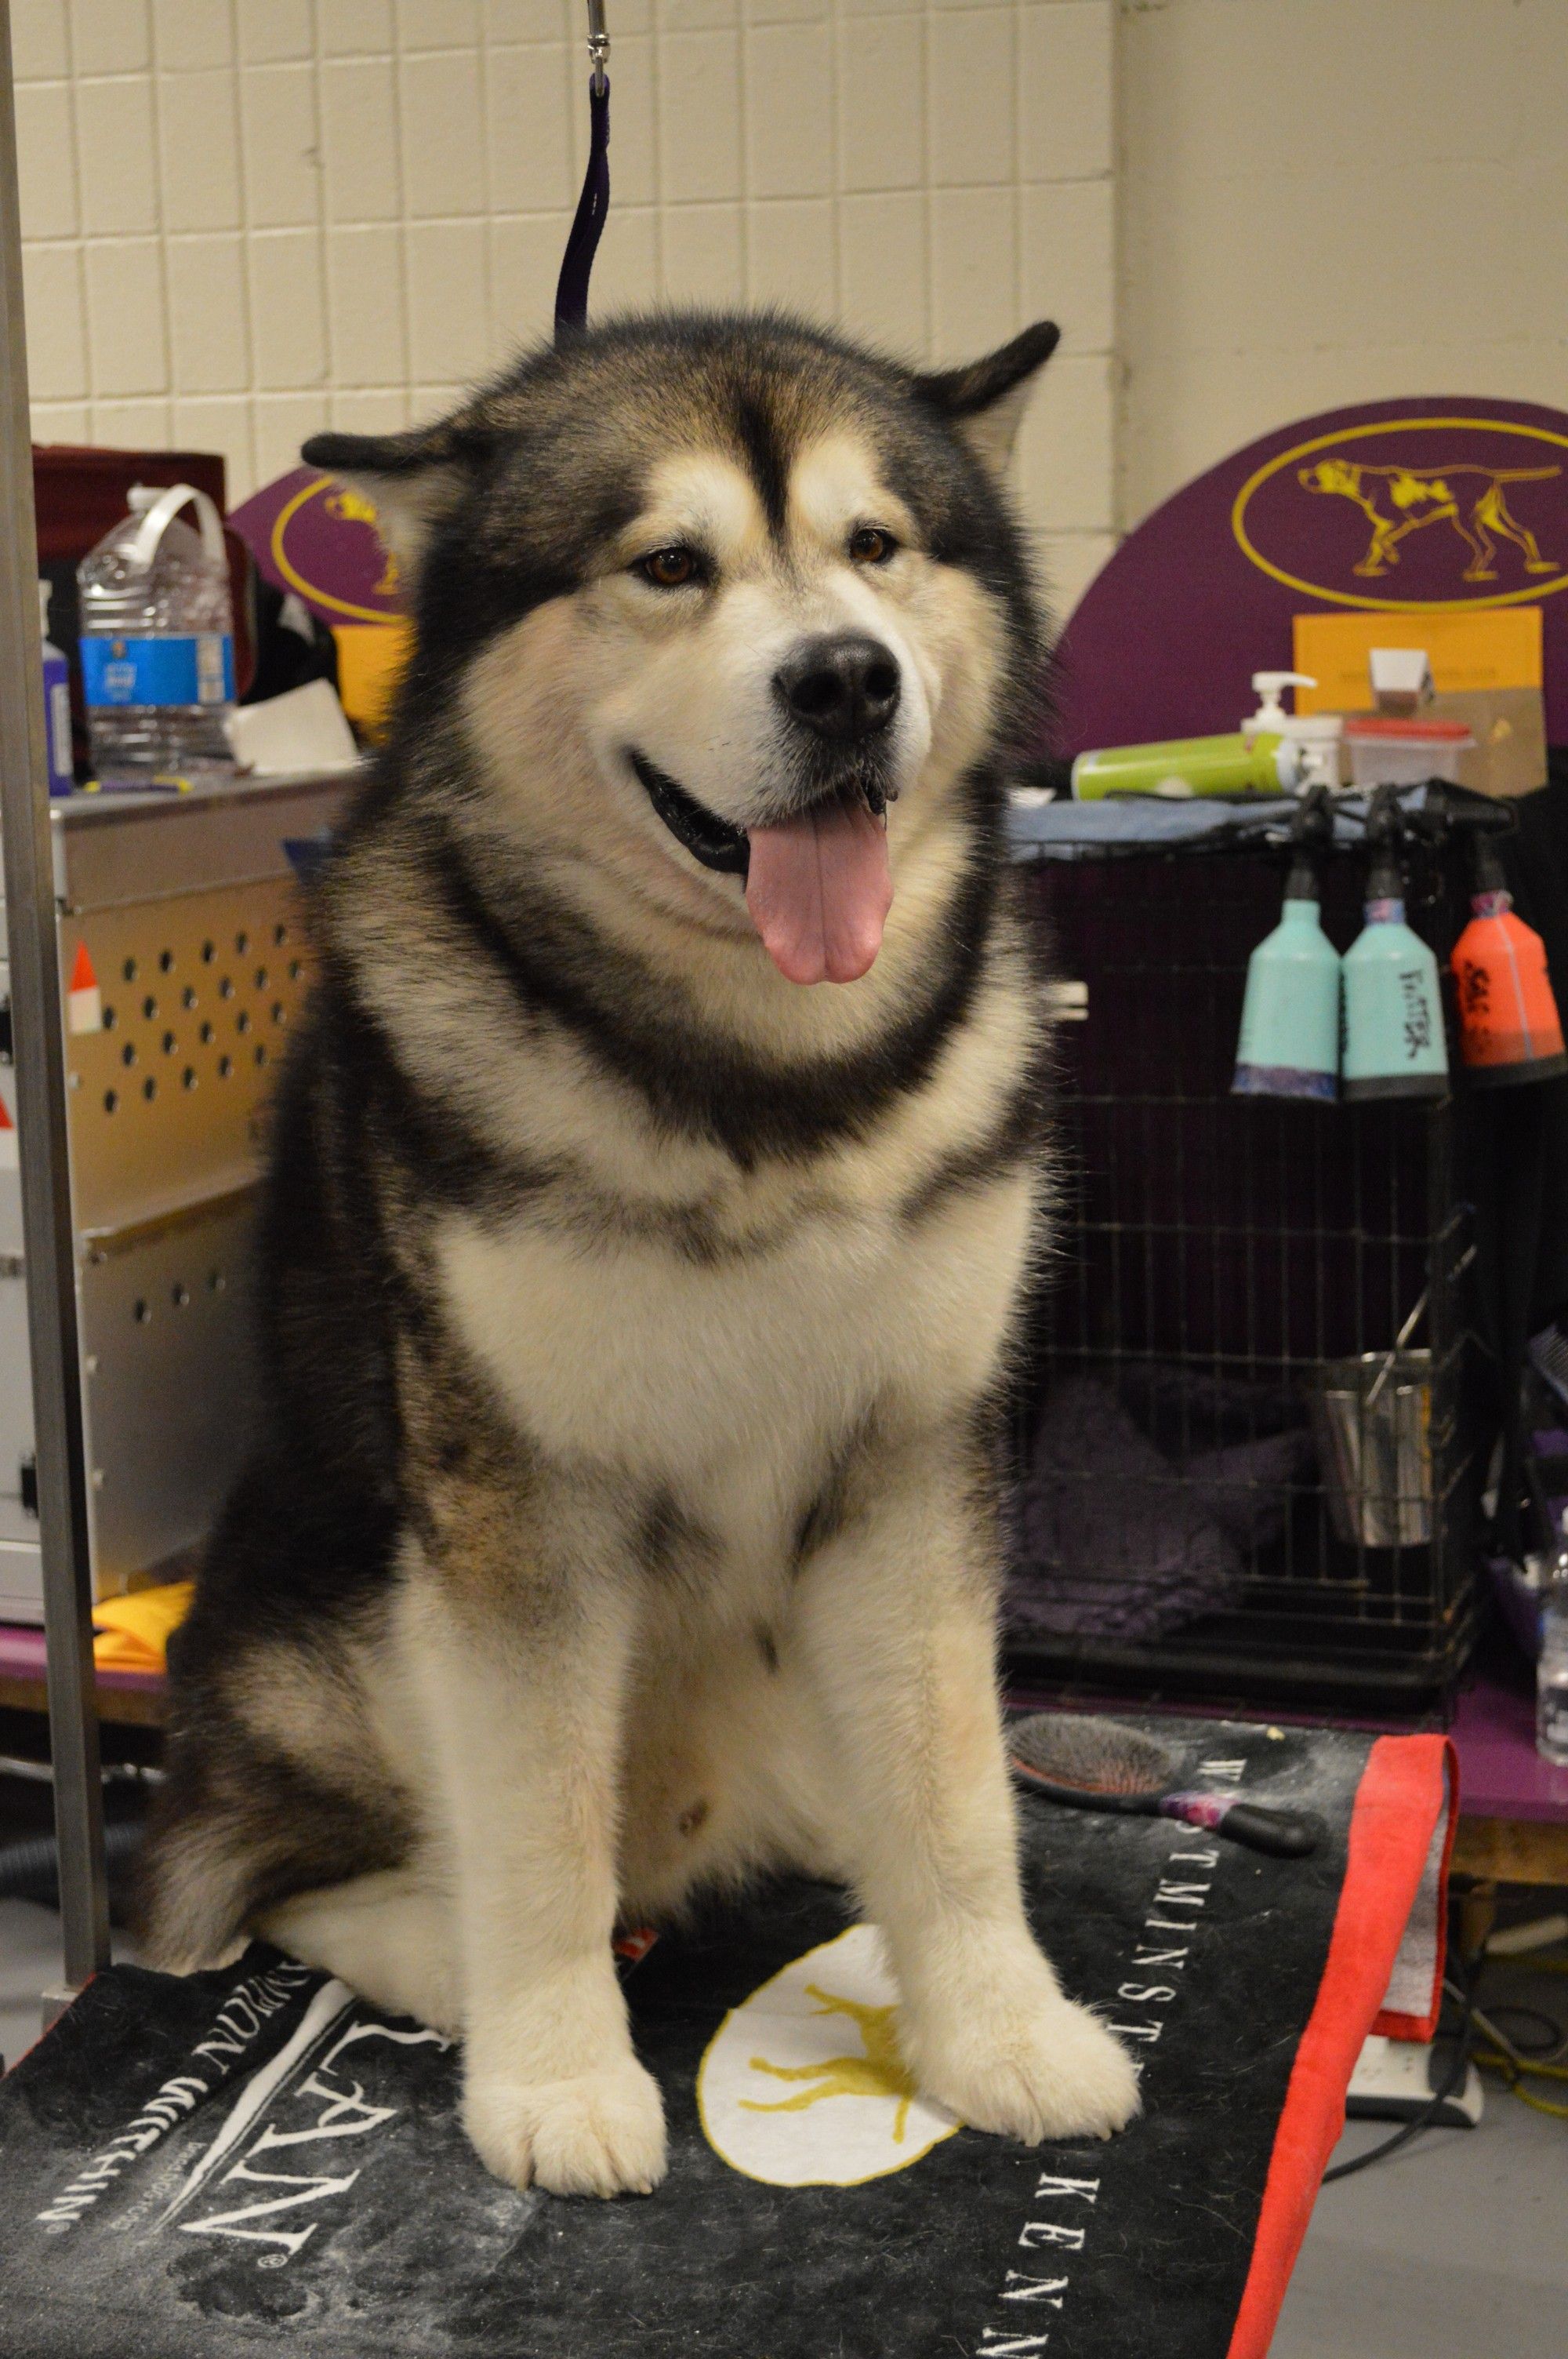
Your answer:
<point x="1028" y="2066"/>
<point x="598" y="2133"/>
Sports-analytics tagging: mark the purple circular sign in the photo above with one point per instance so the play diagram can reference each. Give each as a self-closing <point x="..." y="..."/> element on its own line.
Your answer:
<point x="1438" y="505"/>
<point x="313" y="535"/>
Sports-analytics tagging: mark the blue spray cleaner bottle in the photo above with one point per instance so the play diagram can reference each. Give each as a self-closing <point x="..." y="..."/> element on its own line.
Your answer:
<point x="57" y="703"/>
<point x="1289" y="1019"/>
<point x="1394" y="1044"/>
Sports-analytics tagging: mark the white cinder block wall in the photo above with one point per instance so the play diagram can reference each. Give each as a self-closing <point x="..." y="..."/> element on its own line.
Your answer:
<point x="1328" y="201"/>
<point x="246" y="219"/>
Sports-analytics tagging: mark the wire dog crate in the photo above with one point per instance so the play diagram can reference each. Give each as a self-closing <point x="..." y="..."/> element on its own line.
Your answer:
<point x="1228" y="1481"/>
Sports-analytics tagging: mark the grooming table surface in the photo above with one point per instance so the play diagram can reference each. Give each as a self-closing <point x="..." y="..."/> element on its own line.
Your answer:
<point x="123" y="1696"/>
<point x="252" y="2160"/>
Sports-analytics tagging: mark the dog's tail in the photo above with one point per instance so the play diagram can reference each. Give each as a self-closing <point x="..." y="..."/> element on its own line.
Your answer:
<point x="230" y="1837"/>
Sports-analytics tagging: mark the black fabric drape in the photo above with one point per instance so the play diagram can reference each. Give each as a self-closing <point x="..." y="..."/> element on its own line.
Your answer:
<point x="1514" y="1155"/>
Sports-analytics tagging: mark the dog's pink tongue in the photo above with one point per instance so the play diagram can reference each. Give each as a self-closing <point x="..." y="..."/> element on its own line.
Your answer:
<point x="819" y="891"/>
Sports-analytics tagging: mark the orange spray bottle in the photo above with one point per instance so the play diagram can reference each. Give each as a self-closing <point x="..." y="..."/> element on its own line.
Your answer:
<point x="1510" y="1029"/>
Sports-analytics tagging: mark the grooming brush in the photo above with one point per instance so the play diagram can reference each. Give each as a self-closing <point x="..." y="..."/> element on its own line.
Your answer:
<point x="1098" y="1765"/>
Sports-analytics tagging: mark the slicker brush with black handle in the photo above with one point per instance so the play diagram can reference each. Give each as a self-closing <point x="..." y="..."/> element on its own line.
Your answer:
<point x="1099" y="1764"/>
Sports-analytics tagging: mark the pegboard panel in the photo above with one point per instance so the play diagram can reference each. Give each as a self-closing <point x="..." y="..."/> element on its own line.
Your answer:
<point x="169" y="1393"/>
<point x="167" y="1096"/>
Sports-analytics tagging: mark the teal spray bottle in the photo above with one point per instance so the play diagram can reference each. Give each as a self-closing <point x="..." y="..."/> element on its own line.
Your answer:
<point x="1394" y="1045"/>
<point x="1289" y="1019"/>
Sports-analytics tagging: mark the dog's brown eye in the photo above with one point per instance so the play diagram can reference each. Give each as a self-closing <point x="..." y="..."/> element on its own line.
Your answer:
<point x="669" y="569"/>
<point x="871" y="545"/>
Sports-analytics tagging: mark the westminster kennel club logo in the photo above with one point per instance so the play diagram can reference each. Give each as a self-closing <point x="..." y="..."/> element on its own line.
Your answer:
<point x="803" y="2086"/>
<point x="1397" y="500"/>
<point x="1429" y="513"/>
<point x="322" y="540"/>
<point x="353" y="508"/>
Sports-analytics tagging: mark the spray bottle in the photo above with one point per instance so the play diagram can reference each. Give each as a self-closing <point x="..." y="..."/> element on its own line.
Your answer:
<point x="1510" y="1029"/>
<point x="1290" y="1020"/>
<point x="57" y="703"/>
<point x="1394" y="1045"/>
<point x="1272" y="753"/>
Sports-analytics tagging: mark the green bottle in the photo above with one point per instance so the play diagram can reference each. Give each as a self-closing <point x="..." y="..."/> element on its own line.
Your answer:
<point x="1182" y="766"/>
<point x="1273" y="752"/>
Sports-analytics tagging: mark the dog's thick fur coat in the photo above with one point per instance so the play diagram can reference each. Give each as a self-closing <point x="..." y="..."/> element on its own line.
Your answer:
<point x="632" y="1317"/>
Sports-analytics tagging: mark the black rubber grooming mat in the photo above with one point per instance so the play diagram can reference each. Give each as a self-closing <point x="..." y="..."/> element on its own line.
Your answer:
<point x="219" y="2165"/>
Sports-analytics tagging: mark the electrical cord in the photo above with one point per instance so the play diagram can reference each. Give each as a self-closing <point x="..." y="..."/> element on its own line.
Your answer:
<point x="1516" y="2065"/>
<point x="1453" y="2079"/>
<point x="1552" y="2050"/>
<point x="1514" y="2074"/>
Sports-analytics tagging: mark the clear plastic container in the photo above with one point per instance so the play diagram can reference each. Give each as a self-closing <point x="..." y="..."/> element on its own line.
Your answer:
<point x="1388" y="752"/>
<point x="157" y="645"/>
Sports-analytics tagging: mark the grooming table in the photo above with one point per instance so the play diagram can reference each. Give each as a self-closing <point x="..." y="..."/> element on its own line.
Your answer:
<point x="245" y="2162"/>
<point x="135" y="1699"/>
<point x="1515" y="1828"/>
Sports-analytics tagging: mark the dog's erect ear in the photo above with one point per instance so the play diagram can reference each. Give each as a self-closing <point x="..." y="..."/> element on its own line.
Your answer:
<point x="409" y="479"/>
<point x="986" y="401"/>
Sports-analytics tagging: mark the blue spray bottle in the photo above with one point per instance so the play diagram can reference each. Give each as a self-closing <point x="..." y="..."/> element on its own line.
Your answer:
<point x="1394" y="1045"/>
<point x="1289" y="1019"/>
<point x="57" y="703"/>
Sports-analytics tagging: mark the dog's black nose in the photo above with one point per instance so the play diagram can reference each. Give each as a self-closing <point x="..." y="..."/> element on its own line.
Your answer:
<point x="843" y="686"/>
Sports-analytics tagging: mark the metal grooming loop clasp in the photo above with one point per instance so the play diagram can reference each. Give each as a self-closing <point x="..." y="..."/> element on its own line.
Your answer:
<point x="598" y="42"/>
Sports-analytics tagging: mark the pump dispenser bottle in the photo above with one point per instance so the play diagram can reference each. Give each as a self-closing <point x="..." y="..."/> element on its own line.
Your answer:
<point x="1310" y="742"/>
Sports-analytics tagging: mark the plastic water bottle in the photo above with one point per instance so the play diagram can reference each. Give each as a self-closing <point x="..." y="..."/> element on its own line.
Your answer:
<point x="57" y="703"/>
<point x="157" y="645"/>
<point x="1551" y="1671"/>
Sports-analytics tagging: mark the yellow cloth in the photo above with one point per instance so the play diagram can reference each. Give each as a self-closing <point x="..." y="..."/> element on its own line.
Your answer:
<point x="131" y="1634"/>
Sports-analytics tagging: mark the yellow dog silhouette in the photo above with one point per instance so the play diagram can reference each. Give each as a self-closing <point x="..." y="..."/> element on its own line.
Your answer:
<point x="880" y="2072"/>
<point x="353" y="508"/>
<point x="1397" y="500"/>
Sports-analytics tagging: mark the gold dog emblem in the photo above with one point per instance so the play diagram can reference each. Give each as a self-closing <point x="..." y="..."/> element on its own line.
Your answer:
<point x="826" y="2027"/>
<point x="1397" y="500"/>
<point x="353" y="508"/>
<point x="877" y="2071"/>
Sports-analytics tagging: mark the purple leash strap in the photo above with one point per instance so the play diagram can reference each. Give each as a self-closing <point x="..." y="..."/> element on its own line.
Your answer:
<point x="588" y="224"/>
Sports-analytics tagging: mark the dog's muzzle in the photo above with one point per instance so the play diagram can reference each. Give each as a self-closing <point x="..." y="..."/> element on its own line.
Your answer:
<point x="815" y="875"/>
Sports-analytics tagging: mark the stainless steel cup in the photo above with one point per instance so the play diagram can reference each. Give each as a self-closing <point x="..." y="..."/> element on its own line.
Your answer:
<point x="1371" y="1417"/>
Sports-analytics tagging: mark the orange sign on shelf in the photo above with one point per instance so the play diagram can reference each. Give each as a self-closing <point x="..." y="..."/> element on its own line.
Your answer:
<point x="1470" y="653"/>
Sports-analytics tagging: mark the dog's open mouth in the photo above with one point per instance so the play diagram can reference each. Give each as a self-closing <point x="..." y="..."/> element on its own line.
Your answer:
<point x="817" y="886"/>
<point x="706" y="836"/>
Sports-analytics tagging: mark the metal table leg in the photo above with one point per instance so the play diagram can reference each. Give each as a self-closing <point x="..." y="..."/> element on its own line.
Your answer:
<point x="42" y="1123"/>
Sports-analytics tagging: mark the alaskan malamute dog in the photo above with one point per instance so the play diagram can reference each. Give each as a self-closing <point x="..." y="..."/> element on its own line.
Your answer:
<point x="652" y="1191"/>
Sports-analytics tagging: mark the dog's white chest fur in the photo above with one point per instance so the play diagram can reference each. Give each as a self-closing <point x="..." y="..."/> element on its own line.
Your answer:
<point x="630" y="1352"/>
